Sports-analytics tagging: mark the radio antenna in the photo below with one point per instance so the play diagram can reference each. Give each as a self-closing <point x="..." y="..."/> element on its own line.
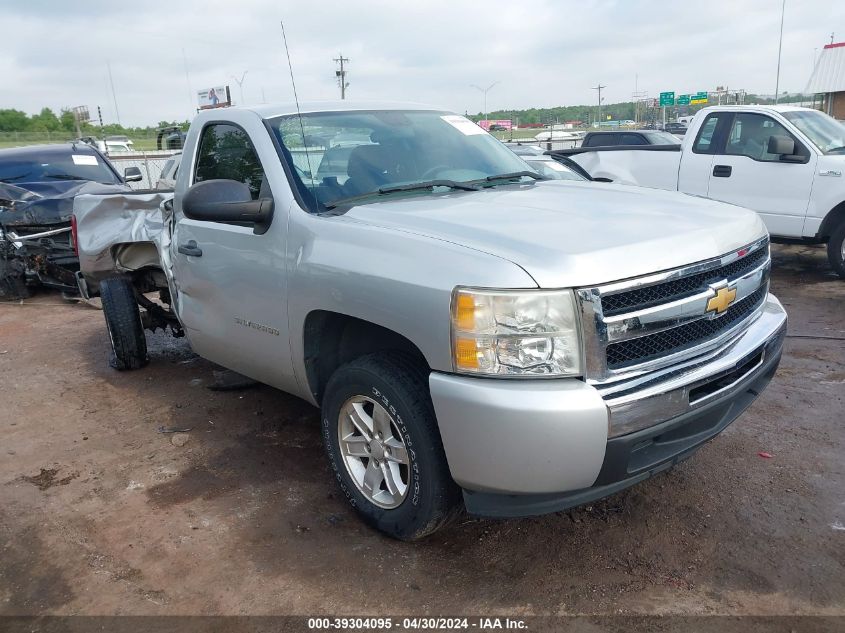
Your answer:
<point x="298" y="113"/>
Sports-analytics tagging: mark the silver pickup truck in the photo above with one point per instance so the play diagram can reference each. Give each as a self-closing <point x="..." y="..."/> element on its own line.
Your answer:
<point x="477" y="336"/>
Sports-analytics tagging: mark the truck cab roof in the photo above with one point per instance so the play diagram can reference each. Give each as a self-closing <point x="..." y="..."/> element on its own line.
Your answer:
<point x="269" y="111"/>
<point x="757" y="108"/>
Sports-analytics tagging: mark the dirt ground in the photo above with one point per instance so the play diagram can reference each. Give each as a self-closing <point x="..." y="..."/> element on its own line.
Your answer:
<point x="102" y="514"/>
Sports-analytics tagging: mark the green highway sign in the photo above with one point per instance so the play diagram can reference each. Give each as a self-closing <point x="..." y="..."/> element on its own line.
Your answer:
<point x="683" y="100"/>
<point x="699" y="97"/>
<point x="667" y="98"/>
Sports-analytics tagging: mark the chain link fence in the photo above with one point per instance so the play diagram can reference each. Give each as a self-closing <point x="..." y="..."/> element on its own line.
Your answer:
<point x="143" y="141"/>
<point x="151" y="165"/>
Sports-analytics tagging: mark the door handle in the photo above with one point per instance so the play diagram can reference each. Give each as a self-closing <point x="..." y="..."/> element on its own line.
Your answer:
<point x="722" y="171"/>
<point x="191" y="249"/>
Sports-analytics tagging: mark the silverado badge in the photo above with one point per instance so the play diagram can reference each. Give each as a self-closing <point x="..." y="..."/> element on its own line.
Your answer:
<point x="722" y="300"/>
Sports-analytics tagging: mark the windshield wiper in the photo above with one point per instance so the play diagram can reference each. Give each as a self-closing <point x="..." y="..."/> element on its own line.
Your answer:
<point x="836" y="149"/>
<point x="414" y="186"/>
<point x="11" y="178"/>
<point x="515" y="175"/>
<point x="429" y="184"/>
<point x="63" y="177"/>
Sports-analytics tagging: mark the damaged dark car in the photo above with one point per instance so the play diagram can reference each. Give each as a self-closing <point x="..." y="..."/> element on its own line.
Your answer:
<point x="38" y="185"/>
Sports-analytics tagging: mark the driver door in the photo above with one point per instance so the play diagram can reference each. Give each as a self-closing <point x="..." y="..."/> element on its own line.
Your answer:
<point x="744" y="173"/>
<point x="231" y="280"/>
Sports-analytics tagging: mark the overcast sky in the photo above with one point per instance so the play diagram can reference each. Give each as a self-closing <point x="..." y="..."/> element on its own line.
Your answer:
<point x="543" y="53"/>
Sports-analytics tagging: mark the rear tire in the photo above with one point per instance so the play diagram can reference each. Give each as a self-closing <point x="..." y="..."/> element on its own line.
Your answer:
<point x="415" y="496"/>
<point x="836" y="250"/>
<point x="123" y="321"/>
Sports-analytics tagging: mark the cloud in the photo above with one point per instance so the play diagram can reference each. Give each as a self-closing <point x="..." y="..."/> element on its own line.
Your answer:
<point x="544" y="53"/>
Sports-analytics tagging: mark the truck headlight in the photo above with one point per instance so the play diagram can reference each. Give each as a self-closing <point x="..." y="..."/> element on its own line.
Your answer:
<point x="515" y="332"/>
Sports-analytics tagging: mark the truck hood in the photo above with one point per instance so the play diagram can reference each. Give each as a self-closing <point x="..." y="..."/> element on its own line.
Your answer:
<point x="569" y="234"/>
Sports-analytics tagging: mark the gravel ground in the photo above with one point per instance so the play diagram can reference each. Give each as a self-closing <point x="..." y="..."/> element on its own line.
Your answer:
<point x="103" y="514"/>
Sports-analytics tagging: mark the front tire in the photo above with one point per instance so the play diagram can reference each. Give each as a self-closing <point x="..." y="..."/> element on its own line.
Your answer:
<point x="123" y="321"/>
<point x="836" y="250"/>
<point x="384" y="447"/>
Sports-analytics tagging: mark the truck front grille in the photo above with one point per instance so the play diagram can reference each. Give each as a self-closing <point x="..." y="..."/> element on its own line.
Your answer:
<point x="648" y="296"/>
<point x="651" y="323"/>
<point x="646" y="348"/>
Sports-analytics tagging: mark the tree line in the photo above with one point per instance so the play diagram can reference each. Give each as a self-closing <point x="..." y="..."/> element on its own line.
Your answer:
<point x="625" y="110"/>
<point x="48" y="122"/>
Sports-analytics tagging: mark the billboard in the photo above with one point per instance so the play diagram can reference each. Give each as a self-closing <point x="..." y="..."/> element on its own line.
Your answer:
<point x="216" y="97"/>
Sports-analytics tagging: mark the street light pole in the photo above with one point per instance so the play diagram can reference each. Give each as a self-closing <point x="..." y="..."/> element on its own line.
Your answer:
<point x="599" y="88"/>
<point x="484" y="91"/>
<point x="780" y="46"/>
<point x="241" y="85"/>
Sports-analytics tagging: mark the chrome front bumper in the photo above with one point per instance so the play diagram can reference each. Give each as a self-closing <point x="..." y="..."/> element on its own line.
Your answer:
<point x="530" y="437"/>
<point x="646" y="400"/>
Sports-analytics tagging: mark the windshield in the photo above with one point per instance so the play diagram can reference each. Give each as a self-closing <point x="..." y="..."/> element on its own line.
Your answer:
<point x="344" y="155"/>
<point x="826" y="133"/>
<point x="54" y="166"/>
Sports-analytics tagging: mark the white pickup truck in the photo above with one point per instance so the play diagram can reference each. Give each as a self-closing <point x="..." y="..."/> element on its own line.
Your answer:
<point x="477" y="335"/>
<point x="785" y="162"/>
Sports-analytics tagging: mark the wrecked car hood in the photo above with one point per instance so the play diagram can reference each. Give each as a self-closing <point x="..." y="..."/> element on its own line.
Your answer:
<point x="45" y="203"/>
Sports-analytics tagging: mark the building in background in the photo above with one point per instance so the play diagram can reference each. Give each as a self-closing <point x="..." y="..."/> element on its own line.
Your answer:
<point x="828" y="80"/>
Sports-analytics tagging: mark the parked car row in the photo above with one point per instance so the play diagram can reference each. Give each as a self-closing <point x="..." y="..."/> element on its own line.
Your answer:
<point x="629" y="137"/>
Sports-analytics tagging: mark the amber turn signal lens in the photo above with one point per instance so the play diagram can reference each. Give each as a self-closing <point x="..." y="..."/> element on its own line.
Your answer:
<point x="465" y="313"/>
<point x="466" y="353"/>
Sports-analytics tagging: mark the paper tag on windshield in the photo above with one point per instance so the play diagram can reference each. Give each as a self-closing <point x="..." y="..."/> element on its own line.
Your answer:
<point x="84" y="159"/>
<point x="463" y="124"/>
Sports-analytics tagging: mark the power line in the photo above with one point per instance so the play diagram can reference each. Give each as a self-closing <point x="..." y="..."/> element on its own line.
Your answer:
<point x="188" y="80"/>
<point x="780" y="46"/>
<point x="113" y="94"/>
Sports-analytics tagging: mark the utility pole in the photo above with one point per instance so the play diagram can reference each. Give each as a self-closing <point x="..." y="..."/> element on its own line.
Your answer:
<point x="241" y="85"/>
<point x="484" y="91"/>
<point x="341" y="74"/>
<point x="780" y="45"/>
<point x="599" y="88"/>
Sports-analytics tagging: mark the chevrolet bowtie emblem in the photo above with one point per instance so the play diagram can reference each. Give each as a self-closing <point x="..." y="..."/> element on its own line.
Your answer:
<point x="722" y="300"/>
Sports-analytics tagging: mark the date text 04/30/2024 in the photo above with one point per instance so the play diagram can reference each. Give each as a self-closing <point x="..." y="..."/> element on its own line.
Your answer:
<point x="422" y="623"/>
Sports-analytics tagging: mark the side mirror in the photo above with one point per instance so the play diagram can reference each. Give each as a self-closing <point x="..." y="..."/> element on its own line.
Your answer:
<point x="132" y="174"/>
<point x="781" y="145"/>
<point x="227" y="201"/>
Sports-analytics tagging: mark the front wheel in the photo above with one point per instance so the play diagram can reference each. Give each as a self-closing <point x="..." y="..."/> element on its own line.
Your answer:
<point x="836" y="250"/>
<point x="384" y="446"/>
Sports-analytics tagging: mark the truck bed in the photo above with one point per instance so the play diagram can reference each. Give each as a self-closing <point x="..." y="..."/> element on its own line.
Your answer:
<point x="654" y="166"/>
<point x="118" y="233"/>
